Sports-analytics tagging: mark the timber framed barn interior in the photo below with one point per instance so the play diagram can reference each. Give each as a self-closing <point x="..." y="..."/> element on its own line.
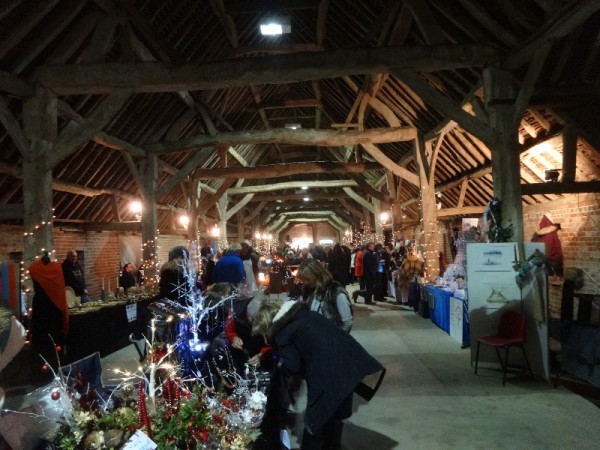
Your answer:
<point x="364" y="119"/>
<point x="425" y="109"/>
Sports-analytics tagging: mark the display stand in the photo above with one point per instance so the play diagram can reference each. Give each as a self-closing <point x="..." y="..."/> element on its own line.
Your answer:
<point x="492" y="287"/>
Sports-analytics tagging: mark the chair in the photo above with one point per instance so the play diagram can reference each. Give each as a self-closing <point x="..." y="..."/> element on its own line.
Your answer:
<point x="511" y="333"/>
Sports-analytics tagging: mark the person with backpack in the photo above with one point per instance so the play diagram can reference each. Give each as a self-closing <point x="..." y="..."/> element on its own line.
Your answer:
<point x="325" y="295"/>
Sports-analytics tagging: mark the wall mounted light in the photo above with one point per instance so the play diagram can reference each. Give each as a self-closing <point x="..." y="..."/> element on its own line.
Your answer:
<point x="551" y="175"/>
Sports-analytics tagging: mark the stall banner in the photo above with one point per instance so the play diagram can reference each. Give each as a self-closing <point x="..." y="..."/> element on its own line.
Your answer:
<point x="9" y="286"/>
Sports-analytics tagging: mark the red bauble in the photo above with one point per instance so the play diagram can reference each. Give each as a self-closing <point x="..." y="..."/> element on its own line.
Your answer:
<point x="55" y="395"/>
<point x="45" y="368"/>
<point x="58" y="348"/>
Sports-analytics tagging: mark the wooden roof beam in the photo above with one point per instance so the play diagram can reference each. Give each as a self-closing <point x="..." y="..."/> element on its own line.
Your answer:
<point x="320" y="138"/>
<point x="281" y="69"/>
<point x="284" y="170"/>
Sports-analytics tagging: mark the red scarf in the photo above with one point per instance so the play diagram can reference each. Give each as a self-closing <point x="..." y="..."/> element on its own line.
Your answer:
<point x="51" y="279"/>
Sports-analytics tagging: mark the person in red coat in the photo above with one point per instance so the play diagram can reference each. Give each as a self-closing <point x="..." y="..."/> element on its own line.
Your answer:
<point x="547" y="232"/>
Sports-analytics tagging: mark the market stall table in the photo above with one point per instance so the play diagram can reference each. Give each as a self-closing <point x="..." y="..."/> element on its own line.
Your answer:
<point x="439" y="307"/>
<point x="104" y="329"/>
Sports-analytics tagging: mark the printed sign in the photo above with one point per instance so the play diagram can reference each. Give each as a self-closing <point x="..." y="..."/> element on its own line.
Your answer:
<point x="131" y="312"/>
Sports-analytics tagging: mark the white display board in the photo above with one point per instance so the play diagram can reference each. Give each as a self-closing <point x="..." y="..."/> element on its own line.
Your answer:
<point x="492" y="289"/>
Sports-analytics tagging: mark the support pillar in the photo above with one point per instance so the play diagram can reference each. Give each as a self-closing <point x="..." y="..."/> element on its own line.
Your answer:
<point x="193" y="233"/>
<point x="240" y="227"/>
<point x="149" y="175"/>
<point x="500" y="95"/>
<point x="315" y="234"/>
<point x="428" y="211"/>
<point x="222" y="207"/>
<point x="40" y="128"/>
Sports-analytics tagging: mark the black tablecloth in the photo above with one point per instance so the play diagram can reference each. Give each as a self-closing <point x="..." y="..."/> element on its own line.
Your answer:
<point x="106" y="330"/>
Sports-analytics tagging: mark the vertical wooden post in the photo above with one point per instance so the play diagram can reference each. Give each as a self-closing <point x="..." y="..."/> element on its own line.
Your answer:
<point x="315" y="234"/>
<point x="378" y="225"/>
<point x="569" y="155"/>
<point x="222" y="207"/>
<point x="500" y="96"/>
<point x="194" y="199"/>
<point x="149" y="177"/>
<point x="428" y="211"/>
<point x="240" y="226"/>
<point x="40" y="128"/>
<point x="368" y="234"/>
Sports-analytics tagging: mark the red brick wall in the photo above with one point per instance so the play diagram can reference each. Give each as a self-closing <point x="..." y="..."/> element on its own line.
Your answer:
<point x="579" y="217"/>
<point x="102" y="252"/>
<point x="102" y="257"/>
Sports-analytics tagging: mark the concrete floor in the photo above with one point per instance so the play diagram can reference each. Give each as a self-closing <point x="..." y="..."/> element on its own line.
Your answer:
<point x="431" y="399"/>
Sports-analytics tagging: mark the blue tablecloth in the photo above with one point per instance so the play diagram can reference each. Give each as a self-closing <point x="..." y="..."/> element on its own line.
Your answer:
<point x="439" y="308"/>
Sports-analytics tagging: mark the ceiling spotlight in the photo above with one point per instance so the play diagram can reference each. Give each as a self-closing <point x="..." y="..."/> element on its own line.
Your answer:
<point x="304" y="188"/>
<point x="306" y="199"/>
<point x="275" y="26"/>
<point x="184" y="221"/>
<point x="135" y="207"/>
<point x="293" y="126"/>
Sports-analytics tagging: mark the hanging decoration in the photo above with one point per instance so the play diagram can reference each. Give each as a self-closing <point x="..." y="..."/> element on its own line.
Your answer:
<point x="492" y="223"/>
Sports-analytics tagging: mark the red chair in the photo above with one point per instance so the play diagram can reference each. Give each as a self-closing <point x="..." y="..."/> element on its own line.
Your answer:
<point x="511" y="333"/>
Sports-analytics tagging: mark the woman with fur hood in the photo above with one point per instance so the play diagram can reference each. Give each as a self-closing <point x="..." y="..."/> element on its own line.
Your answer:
<point x="333" y="363"/>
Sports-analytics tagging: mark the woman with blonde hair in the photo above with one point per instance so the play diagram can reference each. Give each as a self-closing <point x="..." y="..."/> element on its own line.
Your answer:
<point x="325" y="295"/>
<point x="333" y="363"/>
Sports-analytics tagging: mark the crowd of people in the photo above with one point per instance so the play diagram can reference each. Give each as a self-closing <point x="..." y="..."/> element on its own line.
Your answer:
<point x="307" y="336"/>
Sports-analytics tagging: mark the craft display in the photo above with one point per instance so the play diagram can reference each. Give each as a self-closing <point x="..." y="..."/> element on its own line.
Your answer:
<point x="170" y="402"/>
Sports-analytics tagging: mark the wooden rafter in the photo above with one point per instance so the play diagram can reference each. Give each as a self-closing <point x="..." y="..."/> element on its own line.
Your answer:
<point x="281" y="69"/>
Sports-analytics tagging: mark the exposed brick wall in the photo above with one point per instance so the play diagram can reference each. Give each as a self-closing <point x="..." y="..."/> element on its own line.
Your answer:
<point x="579" y="217"/>
<point x="12" y="241"/>
<point x="578" y="214"/>
<point x="102" y="252"/>
<point x="102" y="255"/>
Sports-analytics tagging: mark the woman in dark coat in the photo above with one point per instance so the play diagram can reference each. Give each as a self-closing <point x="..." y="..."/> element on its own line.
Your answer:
<point x="173" y="283"/>
<point x="332" y="362"/>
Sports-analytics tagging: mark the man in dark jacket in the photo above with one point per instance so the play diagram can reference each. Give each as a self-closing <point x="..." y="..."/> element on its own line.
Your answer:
<point x="74" y="276"/>
<point x="339" y="264"/>
<point x="370" y="264"/>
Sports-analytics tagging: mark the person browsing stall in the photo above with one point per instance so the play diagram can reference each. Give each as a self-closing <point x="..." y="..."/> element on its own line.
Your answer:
<point x="325" y="295"/>
<point x="127" y="278"/>
<point x="230" y="267"/>
<point x="74" y="276"/>
<point x="333" y="363"/>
